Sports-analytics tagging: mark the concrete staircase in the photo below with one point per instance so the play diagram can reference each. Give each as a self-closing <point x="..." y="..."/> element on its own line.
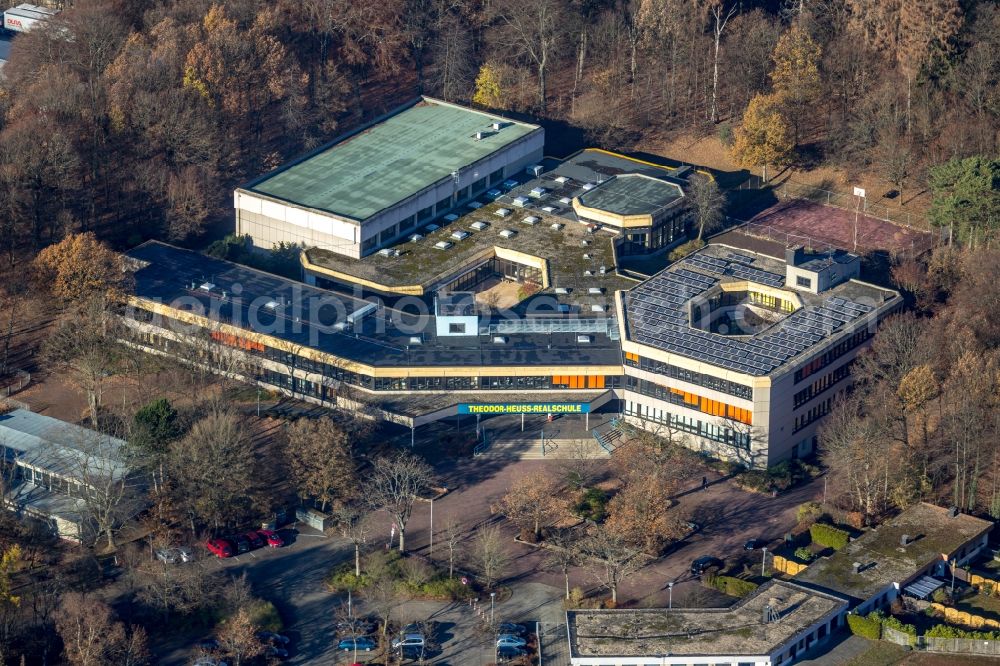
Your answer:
<point x="524" y="448"/>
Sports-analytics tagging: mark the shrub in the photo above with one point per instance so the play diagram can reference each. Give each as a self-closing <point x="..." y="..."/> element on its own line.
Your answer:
<point x="444" y="588"/>
<point x="899" y="625"/>
<point x="941" y="596"/>
<point x="734" y="587"/>
<point x="804" y="554"/>
<point x="684" y="250"/>
<point x="726" y="134"/>
<point x="264" y="615"/>
<point x="866" y="627"/>
<point x="809" y="512"/>
<point x="828" y="536"/>
<point x="342" y="579"/>
<point x="592" y="505"/>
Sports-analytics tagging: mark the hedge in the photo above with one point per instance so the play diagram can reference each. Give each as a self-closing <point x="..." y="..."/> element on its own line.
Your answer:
<point x="829" y="536"/>
<point x="948" y="631"/>
<point x="899" y="625"/>
<point x="866" y="627"/>
<point x="730" y="585"/>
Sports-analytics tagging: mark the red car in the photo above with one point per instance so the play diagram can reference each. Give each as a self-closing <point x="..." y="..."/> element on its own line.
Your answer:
<point x="220" y="547"/>
<point x="271" y="537"/>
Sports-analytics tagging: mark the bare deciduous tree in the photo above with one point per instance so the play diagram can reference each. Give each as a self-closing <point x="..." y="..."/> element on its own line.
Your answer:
<point x="489" y="555"/>
<point x="564" y="553"/>
<point x="613" y="559"/>
<point x="393" y="486"/>
<point x="238" y="638"/>
<point x="319" y="457"/>
<point x="530" y="501"/>
<point x="92" y="637"/>
<point x="354" y="525"/>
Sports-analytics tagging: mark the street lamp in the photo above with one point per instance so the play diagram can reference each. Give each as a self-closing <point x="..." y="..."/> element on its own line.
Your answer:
<point x="493" y="596"/>
<point x="763" y="561"/>
<point x="670" y="590"/>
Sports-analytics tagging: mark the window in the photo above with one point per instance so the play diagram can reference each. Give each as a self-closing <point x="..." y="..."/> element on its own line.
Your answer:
<point x="832" y="354"/>
<point x="408" y="223"/>
<point x="690" y="376"/>
<point x="443" y="205"/>
<point x="822" y="384"/>
<point x="805" y="282"/>
<point x="496" y="176"/>
<point x="425" y="214"/>
<point x="369" y="243"/>
<point x="456" y="329"/>
<point x="479" y="185"/>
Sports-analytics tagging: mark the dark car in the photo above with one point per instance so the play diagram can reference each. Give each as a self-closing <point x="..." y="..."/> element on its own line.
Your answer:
<point x="241" y="542"/>
<point x="511" y="628"/>
<point x="508" y="653"/>
<point x="254" y="539"/>
<point x="362" y="643"/>
<point x="704" y="563"/>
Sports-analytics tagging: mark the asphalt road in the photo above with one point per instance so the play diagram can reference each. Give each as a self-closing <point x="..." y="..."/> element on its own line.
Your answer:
<point x="292" y="579"/>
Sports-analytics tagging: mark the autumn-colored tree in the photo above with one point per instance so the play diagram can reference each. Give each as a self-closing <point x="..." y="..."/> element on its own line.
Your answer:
<point x="489" y="90"/>
<point x="80" y="267"/>
<point x="238" y="638"/>
<point x="640" y="514"/>
<point x="530" y="501"/>
<point x="319" y="458"/>
<point x="795" y="76"/>
<point x="763" y="138"/>
<point x="10" y="559"/>
<point x="92" y="637"/>
<point x="927" y="29"/>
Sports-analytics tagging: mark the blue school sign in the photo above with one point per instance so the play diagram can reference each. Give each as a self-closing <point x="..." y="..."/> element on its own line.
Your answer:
<point x="525" y="408"/>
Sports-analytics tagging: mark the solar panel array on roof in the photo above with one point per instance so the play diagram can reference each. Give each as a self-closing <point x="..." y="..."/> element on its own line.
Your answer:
<point x="658" y="316"/>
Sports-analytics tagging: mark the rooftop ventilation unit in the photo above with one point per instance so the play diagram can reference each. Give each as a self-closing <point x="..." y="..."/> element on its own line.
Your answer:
<point x="497" y="125"/>
<point x="480" y="136"/>
<point x="415" y="237"/>
<point x="603" y="270"/>
<point x="548" y="209"/>
<point x="562" y="179"/>
<point x="595" y="290"/>
<point x="207" y="286"/>
<point x="856" y="567"/>
<point x="521" y="201"/>
<point x="905" y="540"/>
<point x="432" y="227"/>
<point x="502" y="212"/>
<point x="443" y="245"/>
<point x="562" y="290"/>
<point x="500" y="339"/>
<point x="538" y="192"/>
<point x="450" y="217"/>
<point x="460" y="234"/>
<point x="385" y="252"/>
<point x="475" y="205"/>
<point x="534" y="170"/>
<point x="584" y="243"/>
<point x="597" y="308"/>
<point x="531" y="220"/>
<point x="565" y="201"/>
<point x="361" y="313"/>
<point x="588" y="273"/>
<point x="556" y="226"/>
<point x="586" y="256"/>
<point x="479" y="225"/>
<point x="416" y="340"/>
<point x="588" y="186"/>
<point x="584" y="339"/>
<point x="340" y="326"/>
<point x="508" y="233"/>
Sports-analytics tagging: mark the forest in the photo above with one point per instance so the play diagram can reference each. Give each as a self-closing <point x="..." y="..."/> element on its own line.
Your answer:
<point x="135" y="118"/>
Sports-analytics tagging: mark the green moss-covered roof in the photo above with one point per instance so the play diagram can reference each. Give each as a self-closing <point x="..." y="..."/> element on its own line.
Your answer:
<point x="363" y="173"/>
<point x="882" y="557"/>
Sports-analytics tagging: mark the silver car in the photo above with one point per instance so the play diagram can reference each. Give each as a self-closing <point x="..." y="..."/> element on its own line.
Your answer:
<point x="168" y="555"/>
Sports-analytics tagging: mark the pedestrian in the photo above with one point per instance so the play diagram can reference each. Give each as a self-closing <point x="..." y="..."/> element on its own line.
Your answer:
<point x="704" y="483"/>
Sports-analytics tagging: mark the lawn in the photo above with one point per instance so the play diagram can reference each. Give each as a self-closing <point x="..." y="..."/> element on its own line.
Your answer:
<point x="880" y="654"/>
<point x="981" y="604"/>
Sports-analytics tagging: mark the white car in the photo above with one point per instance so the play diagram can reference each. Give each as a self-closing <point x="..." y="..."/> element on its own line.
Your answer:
<point x="167" y="555"/>
<point x="186" y="553"/>
<point x="408" y="640"/>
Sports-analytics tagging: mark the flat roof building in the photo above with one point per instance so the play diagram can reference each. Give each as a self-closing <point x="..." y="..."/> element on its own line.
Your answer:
<point x="877" y="567"/>
<point x="724" y="347"/>
<point x="774" y="625"/>
<point x="378" y="183"/>
<point x="48" y="461"/>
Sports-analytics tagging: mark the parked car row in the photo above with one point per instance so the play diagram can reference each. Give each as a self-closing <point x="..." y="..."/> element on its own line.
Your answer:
<point x="175" y="555"/>
<point x="242" y="543"/>
<point x="512" y="641"/>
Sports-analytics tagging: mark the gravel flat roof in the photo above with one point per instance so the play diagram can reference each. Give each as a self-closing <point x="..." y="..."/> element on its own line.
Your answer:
<point x="882" y="557"/>
<point x="737" y="630"/>
<point x="360" y="174"/>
